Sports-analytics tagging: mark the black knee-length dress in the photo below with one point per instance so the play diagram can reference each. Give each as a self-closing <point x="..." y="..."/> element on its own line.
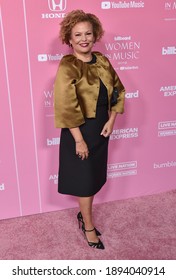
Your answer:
<point x="86" y="177"/>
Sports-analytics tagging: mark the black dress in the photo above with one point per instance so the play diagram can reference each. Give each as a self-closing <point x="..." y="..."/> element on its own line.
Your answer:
<point x="85" y="178"/>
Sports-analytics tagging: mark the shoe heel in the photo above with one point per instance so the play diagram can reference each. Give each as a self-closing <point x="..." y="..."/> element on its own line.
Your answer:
<point x="79" y="224"/>
<point x="80" y="221"/>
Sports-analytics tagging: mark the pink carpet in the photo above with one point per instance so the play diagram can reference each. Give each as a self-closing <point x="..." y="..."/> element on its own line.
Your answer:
<point x="137" y="228"/>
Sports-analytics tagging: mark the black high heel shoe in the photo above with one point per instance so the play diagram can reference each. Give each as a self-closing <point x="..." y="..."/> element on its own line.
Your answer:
<point x="80" y="220"/>
<point x="97" y="245"/>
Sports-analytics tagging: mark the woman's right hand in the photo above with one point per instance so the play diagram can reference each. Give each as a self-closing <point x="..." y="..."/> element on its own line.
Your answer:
<point x="82" y="150"/>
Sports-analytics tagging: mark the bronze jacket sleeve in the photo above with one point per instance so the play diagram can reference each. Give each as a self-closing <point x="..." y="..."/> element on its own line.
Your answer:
<point x="66" y="107"/>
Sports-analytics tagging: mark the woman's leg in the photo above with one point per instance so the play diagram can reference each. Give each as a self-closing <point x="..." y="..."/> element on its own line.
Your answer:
<point x="85" y="204"/>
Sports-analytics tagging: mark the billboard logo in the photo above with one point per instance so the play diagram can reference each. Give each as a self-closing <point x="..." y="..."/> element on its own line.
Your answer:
<point x="121" y="38"/>
<point x="169" y="50"/>
<point x="53" y="141"/>
<point x="105" y="5"/>
<point x="42" y="57"/>
<point x="132" y="94"/>
<point x="57" y="5"/>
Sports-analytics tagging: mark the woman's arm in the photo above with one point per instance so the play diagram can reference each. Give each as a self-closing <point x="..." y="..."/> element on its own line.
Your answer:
<point x="108" y="127"/>
<point x="81" y="146"/>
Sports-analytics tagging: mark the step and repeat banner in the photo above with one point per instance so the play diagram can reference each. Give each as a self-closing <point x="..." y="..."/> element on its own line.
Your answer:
<point x="140" y="42"/>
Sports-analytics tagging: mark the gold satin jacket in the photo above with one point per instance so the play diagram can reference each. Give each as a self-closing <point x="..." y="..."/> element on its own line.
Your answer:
<point x="76" y="89"/>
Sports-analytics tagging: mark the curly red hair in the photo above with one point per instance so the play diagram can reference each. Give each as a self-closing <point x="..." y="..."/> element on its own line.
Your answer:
<point x="73" y="18"/>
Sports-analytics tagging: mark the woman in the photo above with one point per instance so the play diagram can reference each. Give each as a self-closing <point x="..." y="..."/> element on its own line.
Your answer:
<point x="83" y="109"/>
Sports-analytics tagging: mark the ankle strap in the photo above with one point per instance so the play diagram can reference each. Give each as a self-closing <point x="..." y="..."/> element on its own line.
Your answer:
<point x="89" y="230"/>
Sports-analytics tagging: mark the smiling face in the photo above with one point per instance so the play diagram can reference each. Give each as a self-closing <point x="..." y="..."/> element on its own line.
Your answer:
<point x="82" y="38"/>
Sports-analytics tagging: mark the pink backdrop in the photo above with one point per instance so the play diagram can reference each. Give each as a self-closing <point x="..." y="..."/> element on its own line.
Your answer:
<point x="140" y="43"/>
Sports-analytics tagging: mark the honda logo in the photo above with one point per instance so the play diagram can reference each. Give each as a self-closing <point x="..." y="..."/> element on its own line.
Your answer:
<point x="57" y="5"/>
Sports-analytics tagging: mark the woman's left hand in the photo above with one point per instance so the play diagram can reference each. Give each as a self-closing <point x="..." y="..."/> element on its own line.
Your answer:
<point x="107" y="129"/>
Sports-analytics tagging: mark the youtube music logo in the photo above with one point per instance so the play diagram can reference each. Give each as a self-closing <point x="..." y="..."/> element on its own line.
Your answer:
<point x="106" y="5"/>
